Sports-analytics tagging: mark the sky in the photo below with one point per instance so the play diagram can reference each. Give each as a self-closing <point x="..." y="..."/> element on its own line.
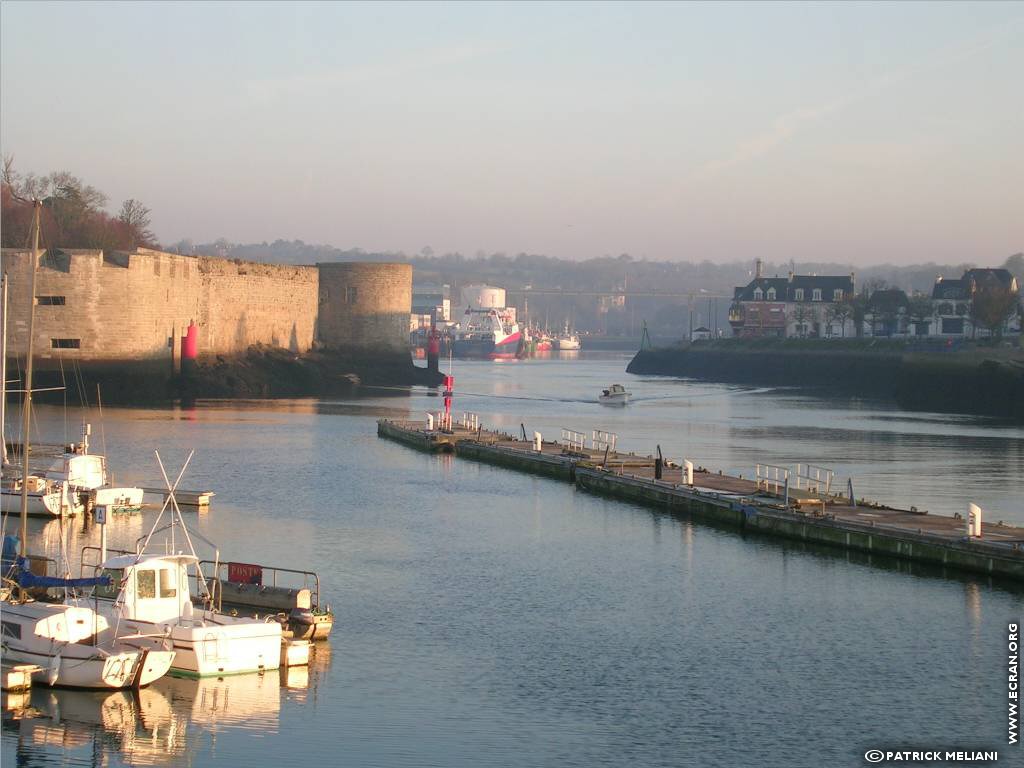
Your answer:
<point x="860" y="133"/>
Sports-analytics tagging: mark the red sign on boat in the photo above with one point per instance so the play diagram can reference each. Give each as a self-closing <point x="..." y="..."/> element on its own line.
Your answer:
<point x="245" y="573"/>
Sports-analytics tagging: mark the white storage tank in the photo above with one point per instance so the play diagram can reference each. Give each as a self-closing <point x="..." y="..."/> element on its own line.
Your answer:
<point x="483" y="297"/>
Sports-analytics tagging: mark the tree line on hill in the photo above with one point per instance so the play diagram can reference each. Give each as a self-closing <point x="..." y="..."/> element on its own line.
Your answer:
<point x="75" y="216"/>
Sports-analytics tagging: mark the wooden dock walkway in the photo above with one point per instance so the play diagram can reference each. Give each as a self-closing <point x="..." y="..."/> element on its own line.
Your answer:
<point x="765" y="506"/>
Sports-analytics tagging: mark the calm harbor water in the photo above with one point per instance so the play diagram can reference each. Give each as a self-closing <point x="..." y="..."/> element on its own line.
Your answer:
<point x="486" y="617"/>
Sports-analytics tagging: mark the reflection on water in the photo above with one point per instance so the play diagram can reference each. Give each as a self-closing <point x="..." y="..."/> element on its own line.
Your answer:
<point x="486" y="617"/>
<point x="175" y="720"/>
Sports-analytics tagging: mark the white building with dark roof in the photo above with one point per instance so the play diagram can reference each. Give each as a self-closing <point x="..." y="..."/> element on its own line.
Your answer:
<point x="794" y="306"/>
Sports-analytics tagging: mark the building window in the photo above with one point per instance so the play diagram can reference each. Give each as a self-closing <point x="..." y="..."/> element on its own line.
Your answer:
<point x="351" y="294"/>
<point x="758" y="294"/>
<point x="65" y="343"/>
<point x="816" y="295"/>
<point x="837" y="294"/>
<point x="50" y="301"/>
<point x="771" y="294"/>
<point x="799" y="294"/>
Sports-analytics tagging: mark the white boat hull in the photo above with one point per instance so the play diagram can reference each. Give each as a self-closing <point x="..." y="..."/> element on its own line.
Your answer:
<point x="54" y="636"/>
<point x="40" y="504"/>
<point x="79" y="666"/>
<point x="212" y="645"/>
<point x="613" y="399"/>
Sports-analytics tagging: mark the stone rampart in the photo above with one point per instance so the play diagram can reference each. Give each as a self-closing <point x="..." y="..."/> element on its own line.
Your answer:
<point x="93" y="306"/>
<point x="96" y="307"/>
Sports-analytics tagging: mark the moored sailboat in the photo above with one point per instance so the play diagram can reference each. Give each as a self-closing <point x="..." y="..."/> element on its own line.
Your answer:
<point x="71" y="643"/>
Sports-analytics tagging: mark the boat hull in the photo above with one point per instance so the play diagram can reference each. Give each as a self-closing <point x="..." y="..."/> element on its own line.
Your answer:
<point x="39" y="504"/>
<point x="84" y="669"/>
<point x="216" y="645"/>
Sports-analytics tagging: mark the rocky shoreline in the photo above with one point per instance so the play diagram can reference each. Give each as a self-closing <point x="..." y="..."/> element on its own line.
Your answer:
<point x="262" y="372"/>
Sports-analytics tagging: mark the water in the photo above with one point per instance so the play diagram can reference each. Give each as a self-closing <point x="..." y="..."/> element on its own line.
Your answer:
<point x="486" y="617"/>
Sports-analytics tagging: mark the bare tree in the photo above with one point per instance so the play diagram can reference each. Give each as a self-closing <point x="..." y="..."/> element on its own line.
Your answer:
<point x="136" y="217"/>
<point x="840" y="313"/>
<point x="921" y="310"/>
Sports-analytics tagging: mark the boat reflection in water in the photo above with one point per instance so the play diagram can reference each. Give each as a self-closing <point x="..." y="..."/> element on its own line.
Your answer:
<point x="174" y="720"/>
<point x="139" y="724"/>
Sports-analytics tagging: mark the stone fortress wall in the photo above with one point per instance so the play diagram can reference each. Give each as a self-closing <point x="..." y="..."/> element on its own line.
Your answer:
<point x="96" y="306"/>
<point x="365" y="305"/>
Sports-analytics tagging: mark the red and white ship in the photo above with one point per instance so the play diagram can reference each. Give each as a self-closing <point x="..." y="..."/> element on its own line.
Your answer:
<point x="492" y="334"/>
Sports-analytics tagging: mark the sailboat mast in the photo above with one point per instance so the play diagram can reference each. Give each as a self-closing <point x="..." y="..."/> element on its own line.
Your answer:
<point x="26" y="408"/>
<point x="3" y="376"/>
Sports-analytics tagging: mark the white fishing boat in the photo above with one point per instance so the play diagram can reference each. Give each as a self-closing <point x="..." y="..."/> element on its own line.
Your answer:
<point x="156" y="604"/>
<point x="68" y="483"/>
<point x="616" y="394"/>
<point x="568" y="341"/>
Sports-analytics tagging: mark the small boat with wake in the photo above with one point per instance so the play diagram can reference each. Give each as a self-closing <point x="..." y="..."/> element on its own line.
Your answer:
<point x="616" y="394"/>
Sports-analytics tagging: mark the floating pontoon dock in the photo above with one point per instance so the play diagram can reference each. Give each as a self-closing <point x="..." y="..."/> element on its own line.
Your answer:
<point x="800" y="504"/>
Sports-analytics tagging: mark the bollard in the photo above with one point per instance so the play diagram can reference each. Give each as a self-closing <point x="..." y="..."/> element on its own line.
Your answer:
<point x="538" y="442"/>
<point x="430" y="422"/>
<point x="974" y="521"/>
<point x="688" y="465"/>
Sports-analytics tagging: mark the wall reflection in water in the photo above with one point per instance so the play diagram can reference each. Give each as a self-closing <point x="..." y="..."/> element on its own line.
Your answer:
<point x="172" y="719"/>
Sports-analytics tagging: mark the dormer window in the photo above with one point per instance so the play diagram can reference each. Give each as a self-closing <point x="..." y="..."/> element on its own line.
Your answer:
<point x="816" y="295"/>
<point x="758" y="294"/>
<point x="798" y="294"/>
<point x="837" y="294"/>
<point x="771" y="294"/>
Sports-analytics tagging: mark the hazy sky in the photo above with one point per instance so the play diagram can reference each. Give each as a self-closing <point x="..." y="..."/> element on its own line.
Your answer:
<point x="867" y="133"/>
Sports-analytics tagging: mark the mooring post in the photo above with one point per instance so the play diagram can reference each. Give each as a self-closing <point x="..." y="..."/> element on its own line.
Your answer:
<point x="688" y="469"/>
<point x="974" y="521"/>
<point x="538" y="442"/>
<point x="430" y="422"/>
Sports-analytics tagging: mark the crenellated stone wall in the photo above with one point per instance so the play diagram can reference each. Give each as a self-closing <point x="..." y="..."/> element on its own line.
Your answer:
<point x="105" y="307"/>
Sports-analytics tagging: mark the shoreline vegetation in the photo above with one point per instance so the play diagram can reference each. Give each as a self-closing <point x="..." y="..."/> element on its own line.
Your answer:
<point x="980" y="378"/>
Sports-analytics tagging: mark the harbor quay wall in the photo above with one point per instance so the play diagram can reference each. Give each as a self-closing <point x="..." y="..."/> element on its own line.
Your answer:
<point x="985" y="381"/>
<point x="99" y="308"/>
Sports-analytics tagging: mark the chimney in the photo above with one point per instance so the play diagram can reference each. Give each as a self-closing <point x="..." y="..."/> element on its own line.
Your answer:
<point x="757" y="269"/>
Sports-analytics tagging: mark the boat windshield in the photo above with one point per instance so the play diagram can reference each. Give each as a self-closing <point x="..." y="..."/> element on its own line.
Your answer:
<point x="111" y="591"/>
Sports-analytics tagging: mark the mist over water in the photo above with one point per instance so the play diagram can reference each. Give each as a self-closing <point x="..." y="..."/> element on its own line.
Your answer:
<point x="486" y="617"/>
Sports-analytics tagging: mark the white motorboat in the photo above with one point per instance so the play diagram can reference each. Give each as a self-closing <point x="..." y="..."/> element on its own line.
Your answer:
<point x="76" y="648"/>
<point x="616" y="394"/>
<point x="156" y="603"/>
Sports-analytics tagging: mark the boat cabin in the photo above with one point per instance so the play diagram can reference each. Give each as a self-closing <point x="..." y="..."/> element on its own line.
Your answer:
<point x="156" y="588"/>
